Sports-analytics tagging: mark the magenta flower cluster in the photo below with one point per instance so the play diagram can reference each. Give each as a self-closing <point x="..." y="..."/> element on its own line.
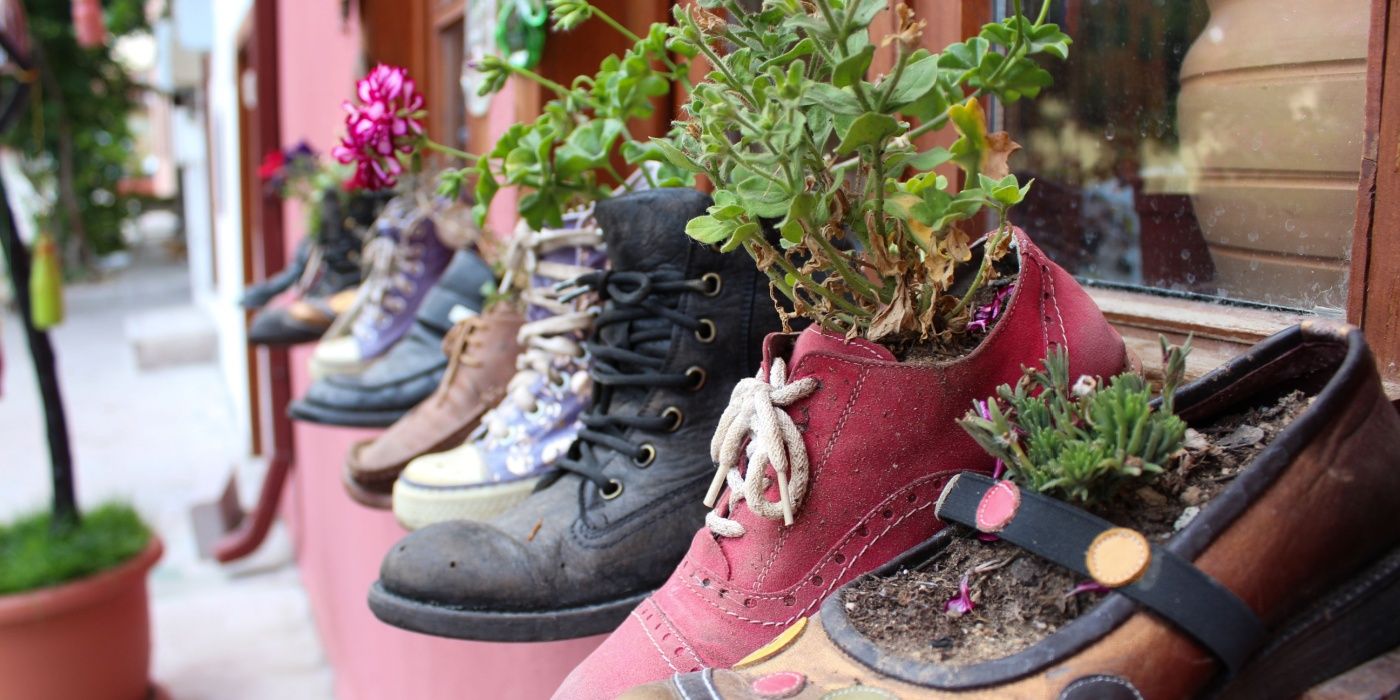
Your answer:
<point x="382" y="127"/>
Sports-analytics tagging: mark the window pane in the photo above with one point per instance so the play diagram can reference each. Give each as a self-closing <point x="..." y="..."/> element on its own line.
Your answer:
<point x="1203" y="146"/>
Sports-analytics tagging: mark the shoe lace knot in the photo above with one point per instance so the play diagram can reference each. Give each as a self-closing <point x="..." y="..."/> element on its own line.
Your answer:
<point x="755" y="417"/>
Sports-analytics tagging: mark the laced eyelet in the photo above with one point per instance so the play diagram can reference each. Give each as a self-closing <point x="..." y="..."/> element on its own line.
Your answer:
<point x="713" y="283"/>
<point x="647" y="457"/>
<point x="612" y="490"/>
<point x="706" y="332"/>
<point x="697" y="377"/>
<point x="677" y="418"/>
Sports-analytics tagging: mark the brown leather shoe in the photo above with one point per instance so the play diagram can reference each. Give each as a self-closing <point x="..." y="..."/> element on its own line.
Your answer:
<point x="481" y="360"/>
<point x="1287" y="577"/>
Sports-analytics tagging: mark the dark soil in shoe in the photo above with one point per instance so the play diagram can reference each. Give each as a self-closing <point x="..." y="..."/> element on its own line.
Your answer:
<point x="1021" y="598"/>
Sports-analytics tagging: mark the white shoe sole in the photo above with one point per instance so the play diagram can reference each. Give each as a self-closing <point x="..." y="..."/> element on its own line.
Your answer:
<point x="417" y="506"/>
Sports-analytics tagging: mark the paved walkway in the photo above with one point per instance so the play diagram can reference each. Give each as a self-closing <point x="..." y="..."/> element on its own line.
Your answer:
<point x="162" y="440"/>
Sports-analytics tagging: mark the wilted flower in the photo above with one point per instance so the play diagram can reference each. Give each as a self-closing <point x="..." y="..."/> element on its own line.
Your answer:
<point x="982" y="318"/>
<point x="1087" y="587"/>
<point x="384" y="125"/>
<point x="960" y="604"/>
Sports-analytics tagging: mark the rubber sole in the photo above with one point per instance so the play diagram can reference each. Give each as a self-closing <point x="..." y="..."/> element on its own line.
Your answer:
<point x="492" y="626"/>
<point x="363" y="496"/>
<point x="417" y="506"/>
<point x="313" y="413"/>
<point x="1346" y="628"/>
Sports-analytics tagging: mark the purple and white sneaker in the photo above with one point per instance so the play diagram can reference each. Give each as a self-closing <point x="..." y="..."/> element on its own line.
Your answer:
<point x="520" y="439"/>
<point x="403" y="262"/>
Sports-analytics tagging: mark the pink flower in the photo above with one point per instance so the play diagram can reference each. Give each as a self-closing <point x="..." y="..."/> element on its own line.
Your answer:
<point x="960" y="604"/>
<point x="982" y="318"/>
<point x="1087" y="587"/>
<point x="382" y="128"/>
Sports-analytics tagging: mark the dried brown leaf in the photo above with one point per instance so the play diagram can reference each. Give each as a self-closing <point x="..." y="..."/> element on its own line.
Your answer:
<point x="999" y="150"/>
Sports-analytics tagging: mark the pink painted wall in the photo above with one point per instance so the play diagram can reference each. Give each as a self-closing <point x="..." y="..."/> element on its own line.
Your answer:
<point x="340" y="544"/>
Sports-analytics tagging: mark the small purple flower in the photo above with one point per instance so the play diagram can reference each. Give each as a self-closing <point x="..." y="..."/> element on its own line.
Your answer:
<point x="960" y="604"/>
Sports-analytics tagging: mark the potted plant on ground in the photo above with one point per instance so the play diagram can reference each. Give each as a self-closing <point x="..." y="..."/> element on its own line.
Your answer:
<point x="72" y="585"/>
<point x="74" y="621"/>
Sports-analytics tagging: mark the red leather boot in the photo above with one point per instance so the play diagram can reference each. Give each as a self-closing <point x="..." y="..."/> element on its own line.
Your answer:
<point x="854" y="448"/>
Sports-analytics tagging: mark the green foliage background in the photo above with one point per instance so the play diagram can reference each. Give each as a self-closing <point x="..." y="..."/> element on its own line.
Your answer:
<point x="84" y="95"/>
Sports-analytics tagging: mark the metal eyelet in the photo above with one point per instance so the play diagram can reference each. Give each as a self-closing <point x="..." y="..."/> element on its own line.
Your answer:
<point x="713" y="284"/>
<point x="647" y="457"/>
<point x="697" y="377"/>
<point x="612" y="490"/>
<point x="677" y="418"/>
<point x="706" y="332"/>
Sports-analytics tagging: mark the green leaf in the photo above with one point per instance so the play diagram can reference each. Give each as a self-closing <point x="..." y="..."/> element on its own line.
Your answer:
<point x="588" y="147"/>
<point x="675" y="155"/>
<point x="834" y="99"/>
<point x="930" y="159"/>
<point x="964" y="56"/>
<point x="800" y="49"/>
<point x="708" y="229"/>
<point x="868" y="129"/>
<point x="863" y="12"/>
<point x="853" y="69"/>
<point x="918" y="78"/>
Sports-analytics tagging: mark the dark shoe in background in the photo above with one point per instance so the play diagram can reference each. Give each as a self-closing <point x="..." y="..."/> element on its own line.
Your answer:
<point x="412" y="369"/>
<point x="326" y="267"/>
<point x="257" y="295"/>
<point x="681" y="325"/>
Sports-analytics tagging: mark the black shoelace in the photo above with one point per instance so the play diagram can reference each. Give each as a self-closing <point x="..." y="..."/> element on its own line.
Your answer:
<point x="634" y="361"/>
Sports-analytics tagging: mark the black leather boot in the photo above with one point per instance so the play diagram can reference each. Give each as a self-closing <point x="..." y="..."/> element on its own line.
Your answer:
<point x="343" y="229"/>
<point x="333" y="257"/>
<point x="256" y="295"/>
<point x="681" y="325"/>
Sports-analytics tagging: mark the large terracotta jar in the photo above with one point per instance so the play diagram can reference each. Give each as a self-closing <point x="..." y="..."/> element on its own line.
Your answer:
<point x="1271" y="125"/>
<point x="89" y="639"/>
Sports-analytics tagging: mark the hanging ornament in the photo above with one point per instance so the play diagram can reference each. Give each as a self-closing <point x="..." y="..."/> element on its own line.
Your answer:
<point x="88" y="24"/>
<point x="520" y="33"/>
<point x="479" y="43"/>
<point x="45" y="284"/>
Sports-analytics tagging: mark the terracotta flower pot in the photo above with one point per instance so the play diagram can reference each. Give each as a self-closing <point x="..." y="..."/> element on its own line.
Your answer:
<point x="87" y="639"/>
<point x="1271" y="124"/>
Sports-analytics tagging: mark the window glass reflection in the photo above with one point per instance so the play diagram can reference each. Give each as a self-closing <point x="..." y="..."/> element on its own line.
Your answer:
<point x="1201" y="146"/>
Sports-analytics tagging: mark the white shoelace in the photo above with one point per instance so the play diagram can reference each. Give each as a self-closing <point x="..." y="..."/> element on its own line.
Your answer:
<point x="755" y="413"/>
<point x="557" y="336"/>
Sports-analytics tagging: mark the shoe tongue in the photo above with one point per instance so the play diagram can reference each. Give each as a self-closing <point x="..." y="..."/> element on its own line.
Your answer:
<point x="646" y="230"/>
<point x="566" y="258"/>
<point x="815" y="340"/>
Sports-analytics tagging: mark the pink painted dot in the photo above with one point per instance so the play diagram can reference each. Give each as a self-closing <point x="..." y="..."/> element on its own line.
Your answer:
<point x="783" y="684"/>
<point x="998" y="506"/>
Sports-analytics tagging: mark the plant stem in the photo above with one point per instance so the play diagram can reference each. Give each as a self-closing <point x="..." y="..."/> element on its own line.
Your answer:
<point x="450" y="151"/>
<point x="65" y="502"/>
<point x="992" y="243"/>
<point x="856" y="281"/>
<point x="540" y="79"/>
<point x="615" y="24"/>
<point x="808" y="283"/>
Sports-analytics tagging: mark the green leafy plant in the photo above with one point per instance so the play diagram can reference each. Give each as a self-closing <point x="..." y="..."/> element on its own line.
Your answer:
<point x="35" y="552"/>
<point x="78" y="136"/>
<point x="565" y="156"/>
<point x="1081" y="442"/>
<point x="791" y="129"/>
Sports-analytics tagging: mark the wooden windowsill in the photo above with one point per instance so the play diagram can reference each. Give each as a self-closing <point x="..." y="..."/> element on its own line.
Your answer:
<point x="1220" y="331"/>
